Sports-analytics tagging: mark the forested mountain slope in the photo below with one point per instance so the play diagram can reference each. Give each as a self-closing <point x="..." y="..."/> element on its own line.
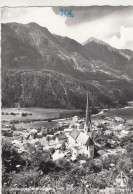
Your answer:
<point x="45" y="70"/>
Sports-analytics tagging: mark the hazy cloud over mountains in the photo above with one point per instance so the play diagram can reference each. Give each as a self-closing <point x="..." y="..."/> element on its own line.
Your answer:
<point x="83" y="14"/>
<point x="111" y="24"/>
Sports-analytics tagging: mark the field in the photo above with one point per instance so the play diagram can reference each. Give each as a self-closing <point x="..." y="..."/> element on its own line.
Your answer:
<point x="38" y="115"/>
<point x="36" y="125"/>
<point x="125" y="113"/>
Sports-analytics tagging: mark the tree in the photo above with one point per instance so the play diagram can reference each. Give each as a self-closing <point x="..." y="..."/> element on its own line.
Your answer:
<point x="129" y="149"/>
<point x="47" y="166"/>
<point x="63" y="163"/>
<point x="52" y="150"/>
<point x="26" y="179"/>
<point x="38" y="157"/>
<point x="89" y="164"/>
<point x="13" y="128"/>
<point x="124" y="164"/>
<point x="125" y="140"/>
<point x="10" y="159"/>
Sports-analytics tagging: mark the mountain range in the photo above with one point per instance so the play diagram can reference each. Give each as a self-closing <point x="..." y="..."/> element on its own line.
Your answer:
<point x="46" y="70"/>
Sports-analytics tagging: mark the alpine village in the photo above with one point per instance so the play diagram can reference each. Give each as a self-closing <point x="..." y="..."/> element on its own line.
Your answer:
<point x="54" y="137"/>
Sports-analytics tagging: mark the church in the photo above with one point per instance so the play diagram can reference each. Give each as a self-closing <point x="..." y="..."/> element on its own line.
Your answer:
<point x="81" y="141"/>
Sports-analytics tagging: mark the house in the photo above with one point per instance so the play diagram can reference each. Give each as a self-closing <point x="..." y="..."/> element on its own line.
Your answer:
<point x="60" y="123"/>
<point x="75" y="118"/>
<point x="20" y="150"/>
<point x="6" y="125"/>
<point x="15" y="142"/>
<point x="108" y="132"/>
<point x="62" y="138"/>
<point x="32" y="134"/>
<point x="33" y="141"/>
<point x="26" y="135"/>
<point x="58" y="155"/>
<point x="68" y="130"/>
<point x="82" y="162"/>
<point x="17" y="133"/>
<point x="118" y="119"/>
<point x="77" y="124"/>
<point x="81" y="127"/>
<point x="65" y="125"/>
<point x="39" y="135"/>
<point x="5" y="129"/>
<point x="33" y="131"/>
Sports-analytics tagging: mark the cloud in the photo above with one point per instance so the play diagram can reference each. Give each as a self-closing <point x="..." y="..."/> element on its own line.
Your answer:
<point x="110" y="24"/>
<point x="91" y="13"/>
<point x="124" y="41"/>
<point x="10" y="14"/>
<point x="44" y="16"/>
<point x="129" y="45"/>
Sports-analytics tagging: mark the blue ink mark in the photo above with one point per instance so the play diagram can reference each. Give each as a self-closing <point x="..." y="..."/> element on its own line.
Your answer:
<point x="67" y="13"/>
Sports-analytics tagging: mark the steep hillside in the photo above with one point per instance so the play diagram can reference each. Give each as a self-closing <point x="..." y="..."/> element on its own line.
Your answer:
<point x="31" y="46"/>
<point x="45" y="70"/>
<point x="104" y="52"/>
<point x="127" y="52"/>
<point x="51" y="89"/>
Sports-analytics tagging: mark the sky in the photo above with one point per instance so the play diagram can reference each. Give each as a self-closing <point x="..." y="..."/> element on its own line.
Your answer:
<point x="113" y="25"/>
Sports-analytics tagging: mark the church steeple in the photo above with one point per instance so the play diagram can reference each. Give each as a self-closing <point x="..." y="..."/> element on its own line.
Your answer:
<point x="87" y="125"/>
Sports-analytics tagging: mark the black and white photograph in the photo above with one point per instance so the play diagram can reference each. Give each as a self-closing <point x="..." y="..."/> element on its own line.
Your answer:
<point x="67" y="100"/>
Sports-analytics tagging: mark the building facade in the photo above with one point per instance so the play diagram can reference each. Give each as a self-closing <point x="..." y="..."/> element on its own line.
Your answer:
<point x="81" y="141"/>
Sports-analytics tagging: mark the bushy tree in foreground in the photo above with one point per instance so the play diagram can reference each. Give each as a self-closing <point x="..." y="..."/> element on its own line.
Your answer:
<point x="11" y="160"/>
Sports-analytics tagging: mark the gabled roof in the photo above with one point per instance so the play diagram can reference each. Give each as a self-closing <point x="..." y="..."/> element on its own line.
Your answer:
<point x="85" y="139"/>
<point x="61" y="137"/>
<point x="89" y="142"/>
<point x="74" y="133"/>
<point x="77" y="147"/>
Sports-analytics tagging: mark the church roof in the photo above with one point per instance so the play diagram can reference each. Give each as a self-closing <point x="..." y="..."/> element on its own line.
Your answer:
<point x="74" y="133"/>
<point x="89" y="142"/>
<point x="84" y="139"/>
<point x="77" y="147"/>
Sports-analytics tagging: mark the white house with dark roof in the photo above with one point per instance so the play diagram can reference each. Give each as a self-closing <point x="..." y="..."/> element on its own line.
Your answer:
<point x="62" y="138"/>
<point x="81" y="141"/>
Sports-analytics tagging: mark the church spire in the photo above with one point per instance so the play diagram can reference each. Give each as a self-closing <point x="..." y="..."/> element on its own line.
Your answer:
<point x="88" y="116"/>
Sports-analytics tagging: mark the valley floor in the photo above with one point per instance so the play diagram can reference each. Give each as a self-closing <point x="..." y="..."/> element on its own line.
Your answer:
<point x="41" y="146"/>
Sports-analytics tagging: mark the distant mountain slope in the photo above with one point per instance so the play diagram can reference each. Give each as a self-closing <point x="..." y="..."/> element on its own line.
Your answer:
<point x="57" y="71"/>
<point x="31" y="46"/>
<point x="129" y="66"/>
<point x="127" y="52"/>
<point x="104" y="52"/>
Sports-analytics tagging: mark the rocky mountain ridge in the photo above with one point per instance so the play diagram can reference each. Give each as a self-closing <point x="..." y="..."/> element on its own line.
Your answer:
<point x="31" y="51"/>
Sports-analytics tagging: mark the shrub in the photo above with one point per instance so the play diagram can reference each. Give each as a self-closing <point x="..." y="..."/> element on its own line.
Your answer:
<point x="7" y="133"/>
<point x="13" y="128"/>
<point x="49" y="120"/>
<point x="63" y="163"/>
<point x="24" y="114"/>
